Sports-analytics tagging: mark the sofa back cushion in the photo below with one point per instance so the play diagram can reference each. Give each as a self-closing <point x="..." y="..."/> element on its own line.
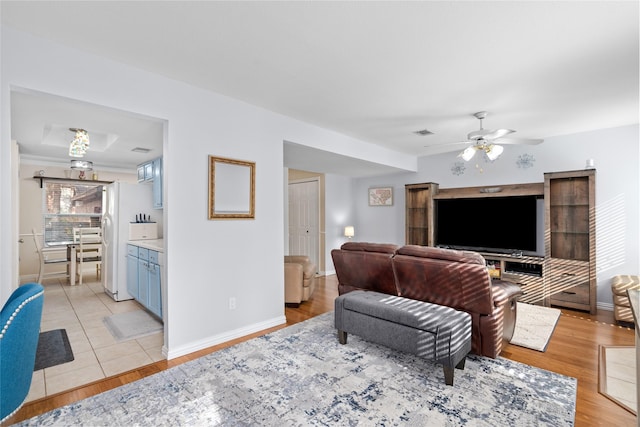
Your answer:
<point x="366" y="266"/>
<point x="457" y="279"/>
<point x="441" y="253"/>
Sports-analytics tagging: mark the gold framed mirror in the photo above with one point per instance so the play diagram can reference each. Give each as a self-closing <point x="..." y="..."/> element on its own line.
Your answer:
<point x="232" y="186"/>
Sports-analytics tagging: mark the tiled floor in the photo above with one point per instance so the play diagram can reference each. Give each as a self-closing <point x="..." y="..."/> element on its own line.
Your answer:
<point x="80" y="310"/>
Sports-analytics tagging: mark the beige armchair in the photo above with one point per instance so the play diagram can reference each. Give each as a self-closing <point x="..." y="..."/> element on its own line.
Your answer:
<point x="299" y="278"/>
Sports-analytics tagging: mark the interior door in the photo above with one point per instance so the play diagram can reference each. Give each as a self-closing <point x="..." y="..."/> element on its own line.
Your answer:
<point x="303" y="219"/>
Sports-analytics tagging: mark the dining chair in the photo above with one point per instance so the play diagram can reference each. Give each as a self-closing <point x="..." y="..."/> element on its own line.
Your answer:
<point x="48" y="256"/>
<point x="88" y="242"/>
<point x="19" y="333"/>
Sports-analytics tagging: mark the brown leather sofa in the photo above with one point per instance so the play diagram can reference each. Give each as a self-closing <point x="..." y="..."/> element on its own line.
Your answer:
<point x="457" y="279"/>
<point x="299" y="278"/>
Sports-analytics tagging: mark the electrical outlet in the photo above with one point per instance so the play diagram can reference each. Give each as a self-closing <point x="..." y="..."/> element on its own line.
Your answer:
<point x="232" y="303"/>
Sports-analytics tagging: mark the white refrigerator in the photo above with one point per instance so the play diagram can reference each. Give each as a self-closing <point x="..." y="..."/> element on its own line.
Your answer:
<point x="122" y="203"/>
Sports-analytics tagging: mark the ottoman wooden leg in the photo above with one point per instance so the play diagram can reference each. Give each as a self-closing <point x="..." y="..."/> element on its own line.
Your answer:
<point x="448" y="372"/>
<point x="342" y="337"/>
<point x="448" y="375"/>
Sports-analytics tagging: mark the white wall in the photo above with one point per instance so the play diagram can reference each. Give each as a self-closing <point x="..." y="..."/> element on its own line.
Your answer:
<point x="615" y="152"/>
<point x="207" y="261"/>
<point x="339" y="212"/>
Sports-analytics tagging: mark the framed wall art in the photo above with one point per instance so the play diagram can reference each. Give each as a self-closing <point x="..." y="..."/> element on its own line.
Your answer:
<point x="381" y="196"/>
<point x="232" y="186"/>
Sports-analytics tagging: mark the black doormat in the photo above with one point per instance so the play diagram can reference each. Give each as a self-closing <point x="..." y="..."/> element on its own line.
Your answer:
<point x="53" y="349"/>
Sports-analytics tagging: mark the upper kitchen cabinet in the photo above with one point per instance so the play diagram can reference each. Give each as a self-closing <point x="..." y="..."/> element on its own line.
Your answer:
<point x="151" y="171"/>
<point x="157" y="183"/>
<point x="145" y="172"/>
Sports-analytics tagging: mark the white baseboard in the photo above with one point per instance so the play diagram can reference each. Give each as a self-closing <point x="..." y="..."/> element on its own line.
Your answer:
<point x="221" y="338"/>
<point x="604" y="306"/>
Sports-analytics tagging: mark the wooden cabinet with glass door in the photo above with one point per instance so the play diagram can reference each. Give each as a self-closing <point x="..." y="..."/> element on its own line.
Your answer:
<point x="419" y="213"/>
<point x="570" y="270"/>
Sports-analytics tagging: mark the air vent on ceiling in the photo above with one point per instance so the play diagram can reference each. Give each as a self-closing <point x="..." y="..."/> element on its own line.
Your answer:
<point x="423" y="132"/>
<point x="141" y="150"/>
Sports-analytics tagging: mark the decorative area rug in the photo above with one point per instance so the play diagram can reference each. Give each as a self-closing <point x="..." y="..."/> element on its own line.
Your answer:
<point x="617" y="376"/>
<point x="53" y="349"/>
<point x="301" y="375"/>
<point x="132" y="324"/>
<point x="534" y="326"/>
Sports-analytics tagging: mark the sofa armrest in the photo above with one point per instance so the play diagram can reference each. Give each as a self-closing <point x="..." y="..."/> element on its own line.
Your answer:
<point x="300" y="259"/>
<point x="293" y="286"/>
<point x="504" y="291"/>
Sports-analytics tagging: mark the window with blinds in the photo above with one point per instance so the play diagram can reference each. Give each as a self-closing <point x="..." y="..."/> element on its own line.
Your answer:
<point x="67" y="205"/>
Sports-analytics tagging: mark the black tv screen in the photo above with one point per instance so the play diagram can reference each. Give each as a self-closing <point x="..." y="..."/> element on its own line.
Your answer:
<point x="490" y="224"/>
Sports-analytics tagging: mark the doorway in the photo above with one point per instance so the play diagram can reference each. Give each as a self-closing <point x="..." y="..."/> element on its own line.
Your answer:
<point x="304" y="219"/>
<point x="80" y="309"/>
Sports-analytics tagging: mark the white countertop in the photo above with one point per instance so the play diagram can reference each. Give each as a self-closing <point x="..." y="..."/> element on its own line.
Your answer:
<point x="154" y="245"/>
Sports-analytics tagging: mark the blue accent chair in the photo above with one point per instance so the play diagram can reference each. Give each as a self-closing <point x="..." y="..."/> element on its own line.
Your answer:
<point x="19" y="333"/>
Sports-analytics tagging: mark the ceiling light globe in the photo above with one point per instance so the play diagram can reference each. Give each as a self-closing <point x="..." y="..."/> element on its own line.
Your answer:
<point x="468" y="153"/>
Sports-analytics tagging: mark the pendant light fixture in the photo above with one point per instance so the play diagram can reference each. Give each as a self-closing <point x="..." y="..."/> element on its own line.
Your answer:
<point x="80" y="144"/>
<point x="82" y="165"/>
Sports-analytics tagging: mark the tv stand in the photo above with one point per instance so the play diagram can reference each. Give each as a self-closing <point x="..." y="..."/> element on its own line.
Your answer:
<point x="566" y="275"/>
<point x="526" y="271"/>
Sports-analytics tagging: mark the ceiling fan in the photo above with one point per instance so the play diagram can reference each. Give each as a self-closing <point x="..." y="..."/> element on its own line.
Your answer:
<point x="490" y="141"/>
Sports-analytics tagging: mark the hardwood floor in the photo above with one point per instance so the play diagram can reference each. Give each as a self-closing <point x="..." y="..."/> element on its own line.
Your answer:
<point x="572" y="351"/>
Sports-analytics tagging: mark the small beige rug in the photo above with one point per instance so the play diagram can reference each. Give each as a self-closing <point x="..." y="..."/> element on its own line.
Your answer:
<point x="534" y="326"/>
<point x="132" y="325"/>
<point x="617" y="376"/>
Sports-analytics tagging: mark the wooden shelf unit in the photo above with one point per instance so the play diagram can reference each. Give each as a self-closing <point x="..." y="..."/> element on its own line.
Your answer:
<point x="570" y="261"/>
<point x="566" y="275"/>
<point x="419" y="213"/>
<point x="52" y="178"/>
<point x="526" y="271"/>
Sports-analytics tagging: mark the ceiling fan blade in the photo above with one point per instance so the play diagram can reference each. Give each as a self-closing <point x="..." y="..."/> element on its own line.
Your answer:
<point x="521" y="141"/>
<point x="446" y="147"/>
<point x="489" y="134"/>
<point x="451" y="144"/>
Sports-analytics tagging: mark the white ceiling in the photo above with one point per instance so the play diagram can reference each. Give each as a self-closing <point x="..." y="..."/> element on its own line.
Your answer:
<point x="41" y="124"/>
<point x="377" y="71"/>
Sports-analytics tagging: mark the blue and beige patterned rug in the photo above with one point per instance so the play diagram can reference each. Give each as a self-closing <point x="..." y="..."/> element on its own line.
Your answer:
<point x="302" y="376"/>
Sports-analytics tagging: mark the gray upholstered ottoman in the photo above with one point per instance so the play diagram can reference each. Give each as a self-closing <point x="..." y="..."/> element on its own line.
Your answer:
<point x="434" y="332"/>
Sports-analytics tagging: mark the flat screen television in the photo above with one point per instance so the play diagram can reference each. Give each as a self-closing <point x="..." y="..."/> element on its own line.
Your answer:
<point x="508" y="225"/>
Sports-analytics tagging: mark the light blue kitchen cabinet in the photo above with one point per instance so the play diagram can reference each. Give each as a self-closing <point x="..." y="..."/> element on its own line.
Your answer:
<point x="144" y="281"/>
<point x="155" y="293"/>
<point x="143" y="276"/>
<point x="141" y="173"/>
<point x="157" y="183"/>
<point x="151" y="171"/>
<point x="132" y="270"/>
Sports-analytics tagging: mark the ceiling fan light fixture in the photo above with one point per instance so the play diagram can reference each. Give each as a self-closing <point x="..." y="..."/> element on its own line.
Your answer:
<point x="494" y="151"/>
<point x="468" y="153"/>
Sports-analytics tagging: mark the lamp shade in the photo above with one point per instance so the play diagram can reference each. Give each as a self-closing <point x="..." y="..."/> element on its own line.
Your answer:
<point x="349" y="231"/>
<point x="468" y="153"/>
<point x="494" y="151"/>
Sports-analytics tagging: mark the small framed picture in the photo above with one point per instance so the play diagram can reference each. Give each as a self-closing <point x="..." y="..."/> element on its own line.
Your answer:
<point x="381" y="196"/>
